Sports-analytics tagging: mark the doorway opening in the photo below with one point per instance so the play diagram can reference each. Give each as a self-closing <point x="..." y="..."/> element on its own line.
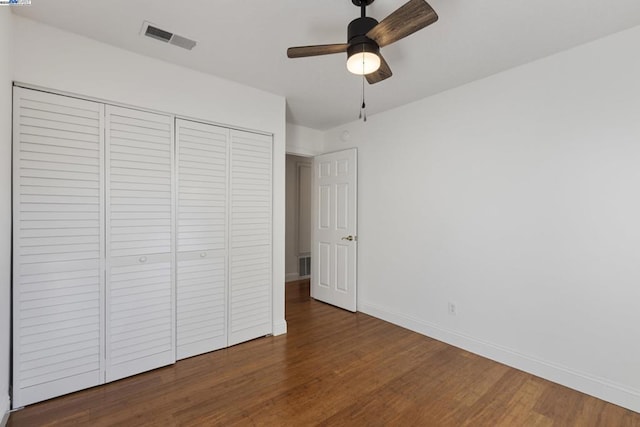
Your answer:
<point x="298" y="219"/>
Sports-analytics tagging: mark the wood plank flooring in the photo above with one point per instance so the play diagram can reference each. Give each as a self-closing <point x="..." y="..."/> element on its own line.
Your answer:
<point x="333" y="368"/>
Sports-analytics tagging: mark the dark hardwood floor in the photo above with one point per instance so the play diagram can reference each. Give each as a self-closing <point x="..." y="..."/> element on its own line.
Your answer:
<point x="333" y="368"/>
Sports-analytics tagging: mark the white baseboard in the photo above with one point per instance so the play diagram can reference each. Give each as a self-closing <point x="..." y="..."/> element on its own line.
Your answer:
<point x="280" y="328"/>
<point x="589" y="384"/>
<point x="5" y="407"/>
<point x="290" y="277"/>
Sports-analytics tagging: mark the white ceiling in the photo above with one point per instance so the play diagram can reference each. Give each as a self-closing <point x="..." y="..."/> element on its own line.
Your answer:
<point x="246" y="41"/>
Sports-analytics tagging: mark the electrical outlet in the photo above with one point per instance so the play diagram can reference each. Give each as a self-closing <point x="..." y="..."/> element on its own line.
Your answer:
<point x="452" y="309"/>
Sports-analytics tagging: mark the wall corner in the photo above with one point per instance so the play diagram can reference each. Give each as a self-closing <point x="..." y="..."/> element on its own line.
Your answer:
<point x="5" y="407"/>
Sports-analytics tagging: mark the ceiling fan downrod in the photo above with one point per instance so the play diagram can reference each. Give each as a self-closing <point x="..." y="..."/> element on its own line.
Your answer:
<point x="362" y="4"/>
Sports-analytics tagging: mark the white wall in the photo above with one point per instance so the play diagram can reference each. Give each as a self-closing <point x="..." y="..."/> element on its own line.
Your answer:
<point x="517" y="198"/>
<point x="51" y="58"/>
<point x="293" y="222"/>
<point x="304" y="141"/>
<point x="5" y="204"/>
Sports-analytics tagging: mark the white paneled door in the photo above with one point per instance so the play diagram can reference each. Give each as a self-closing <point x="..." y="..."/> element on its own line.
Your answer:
<point x="58" y="230"/>
<point x="202" y="171"/>
<point x="334" y="231"/>
<point x="251" y="235"/>
<point x="140" y="299"/>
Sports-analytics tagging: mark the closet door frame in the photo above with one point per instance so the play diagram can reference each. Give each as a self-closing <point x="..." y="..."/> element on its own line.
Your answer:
<point x="104" y="221"/>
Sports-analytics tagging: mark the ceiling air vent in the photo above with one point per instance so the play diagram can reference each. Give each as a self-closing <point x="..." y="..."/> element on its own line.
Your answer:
<point x="154" y="32"/>
<point x="182" y="42"/>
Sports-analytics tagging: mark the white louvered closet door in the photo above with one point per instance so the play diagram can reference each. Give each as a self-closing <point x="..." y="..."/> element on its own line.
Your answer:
<point x="201" y="287"/>
<point x="57" y="245"/>
<point x="250" y="285"/>
<point x="140" y="315"/>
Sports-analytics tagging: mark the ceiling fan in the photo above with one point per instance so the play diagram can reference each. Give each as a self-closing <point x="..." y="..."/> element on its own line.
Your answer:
<point x="366" y="36"/>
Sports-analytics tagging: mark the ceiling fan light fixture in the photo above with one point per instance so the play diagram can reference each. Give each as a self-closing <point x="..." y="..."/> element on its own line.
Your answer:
<point x="363" y="59"/>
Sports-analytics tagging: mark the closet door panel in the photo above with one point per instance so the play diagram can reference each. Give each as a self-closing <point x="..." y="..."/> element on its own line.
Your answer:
<point x="202" y="303"/>
<point x="140" y="332"/>
<point x="201" y="237"/>
<point x="250" y="299"/>
<point x="140" y="312"/>
<point x="58" y="226"/>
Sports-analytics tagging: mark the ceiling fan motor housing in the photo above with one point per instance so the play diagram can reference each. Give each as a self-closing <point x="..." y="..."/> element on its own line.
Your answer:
<point x="359" y="3"/>
<point x="360" y="27"/>
<point x="357" y="39"/>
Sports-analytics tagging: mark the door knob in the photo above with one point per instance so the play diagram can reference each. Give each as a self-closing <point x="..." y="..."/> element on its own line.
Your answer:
<point x="349" y="238"/>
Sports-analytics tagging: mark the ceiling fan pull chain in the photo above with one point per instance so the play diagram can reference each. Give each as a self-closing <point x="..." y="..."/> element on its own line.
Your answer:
<point x="363" y="108"/>
<point x="361" y="105"/>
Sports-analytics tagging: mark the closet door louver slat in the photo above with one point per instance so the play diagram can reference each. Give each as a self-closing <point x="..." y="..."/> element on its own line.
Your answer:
<point x="57" y="245"/>
<point x="140" y="317"/>
<point x="201" y="237"/>
<point x="251" y="235"/>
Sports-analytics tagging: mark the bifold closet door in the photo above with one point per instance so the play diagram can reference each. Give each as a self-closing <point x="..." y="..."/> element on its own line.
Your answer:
<point x="58" y="224"/>
<point x="250" y="284"/>
<point x="201" y="288"/>
<point x="140" y="292"/>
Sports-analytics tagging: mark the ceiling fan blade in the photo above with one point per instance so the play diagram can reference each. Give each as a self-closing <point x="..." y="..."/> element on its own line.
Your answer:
<point x="323" y="49"/>
<point x="384" y="72"/>
<point x="409" y="18"/>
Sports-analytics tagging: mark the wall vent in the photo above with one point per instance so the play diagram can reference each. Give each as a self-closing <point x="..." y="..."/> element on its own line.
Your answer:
<point x="304" y="266"/>
<point x="154" y="32"/>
